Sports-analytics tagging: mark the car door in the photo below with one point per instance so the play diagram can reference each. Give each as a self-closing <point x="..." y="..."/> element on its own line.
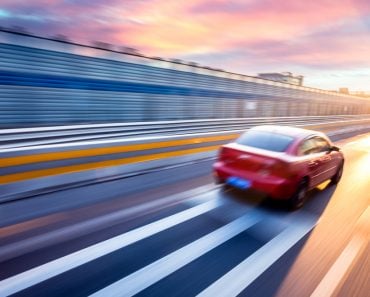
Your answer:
<point x="311" y="158"/>
<point x="328" y="161"/>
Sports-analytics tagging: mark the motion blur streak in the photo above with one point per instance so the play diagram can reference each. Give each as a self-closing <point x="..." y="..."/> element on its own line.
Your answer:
<point x="21" y="160"/>
<point x="236" y="280"/>
<point x="74" y="83"/>
<point x="36" y="275"/>
<point x="151" y="274"/>
<point x="76" y="168"/>
<point x="333" y="279"/>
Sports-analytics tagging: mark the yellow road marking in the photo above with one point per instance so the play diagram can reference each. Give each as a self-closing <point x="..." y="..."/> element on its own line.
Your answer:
<point x="44" y="157"/>
<point x="96" y="165"/>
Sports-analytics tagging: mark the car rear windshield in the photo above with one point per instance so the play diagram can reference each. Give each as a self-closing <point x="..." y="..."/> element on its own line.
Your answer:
<point x="265" y="140"/>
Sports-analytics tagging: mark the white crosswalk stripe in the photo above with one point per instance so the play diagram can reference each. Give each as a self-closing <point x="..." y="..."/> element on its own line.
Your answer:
<point x="240" y="277"/>
<point x="233" y="282"/>
<point x="154" y="272"/>
<point x="41" y="273"/>
<point x="290" y="228"/>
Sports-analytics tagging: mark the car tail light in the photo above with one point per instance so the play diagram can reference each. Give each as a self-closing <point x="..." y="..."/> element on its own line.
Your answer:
<point x="225" y="154"/>
<point x="275" y="167"/>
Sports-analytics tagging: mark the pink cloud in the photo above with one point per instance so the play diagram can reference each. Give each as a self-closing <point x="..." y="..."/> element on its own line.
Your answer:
<point x="253" y="34"/>
<point x="178" y="29"/>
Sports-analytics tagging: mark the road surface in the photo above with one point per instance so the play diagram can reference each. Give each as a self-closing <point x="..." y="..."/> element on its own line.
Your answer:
<point x="175" y="233"/>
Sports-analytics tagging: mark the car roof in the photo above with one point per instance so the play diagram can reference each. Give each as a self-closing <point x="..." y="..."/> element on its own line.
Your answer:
<point x="288" y="130"/>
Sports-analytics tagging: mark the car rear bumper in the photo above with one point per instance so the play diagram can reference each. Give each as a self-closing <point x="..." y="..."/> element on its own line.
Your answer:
<point x="274" y="187"/>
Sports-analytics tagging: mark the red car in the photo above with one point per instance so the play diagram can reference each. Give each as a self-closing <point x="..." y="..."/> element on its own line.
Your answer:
<point x="283" y="162"/>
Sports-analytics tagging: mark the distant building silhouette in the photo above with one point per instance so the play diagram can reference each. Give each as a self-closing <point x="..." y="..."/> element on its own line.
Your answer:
<point x="354" y="93"/>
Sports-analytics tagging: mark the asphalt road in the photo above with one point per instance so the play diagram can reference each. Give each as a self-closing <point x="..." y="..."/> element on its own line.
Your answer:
<point x="175" y="233"/>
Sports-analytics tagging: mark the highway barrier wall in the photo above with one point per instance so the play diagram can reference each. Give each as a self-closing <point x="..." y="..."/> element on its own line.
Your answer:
<point x="45" y="81"/>
<point x="31" y="170"/>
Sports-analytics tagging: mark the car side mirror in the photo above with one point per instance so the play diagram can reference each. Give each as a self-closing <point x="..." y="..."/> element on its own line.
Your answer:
<point x="334" y="148"/>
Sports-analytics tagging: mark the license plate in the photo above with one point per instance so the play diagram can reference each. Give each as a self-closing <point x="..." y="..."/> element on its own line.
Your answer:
<point x="238" y="182"/>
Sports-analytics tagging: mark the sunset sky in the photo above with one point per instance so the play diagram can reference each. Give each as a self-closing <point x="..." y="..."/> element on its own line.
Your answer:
<point x="327" y="41"/>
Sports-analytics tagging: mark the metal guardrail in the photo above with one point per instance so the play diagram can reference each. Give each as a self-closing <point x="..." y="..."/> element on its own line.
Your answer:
<point x="12" y="138"/>
<point x="31" y="170"/>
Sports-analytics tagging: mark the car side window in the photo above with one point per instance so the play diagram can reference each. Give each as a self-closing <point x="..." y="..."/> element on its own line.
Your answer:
<point x="321" y="144"/>
<point x="308" y="146"/>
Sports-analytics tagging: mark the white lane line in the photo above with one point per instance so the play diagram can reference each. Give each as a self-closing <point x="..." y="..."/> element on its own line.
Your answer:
<point x="122" y="213"/>
<point x="336" y="274"/>
<point x="98" y="223"/>
<point x="41" y="273"/>
<point x="124" y="140"/>
<point x="242" y="275"/>
<point x="83" y="141"/>
<point x="148" y="275"/>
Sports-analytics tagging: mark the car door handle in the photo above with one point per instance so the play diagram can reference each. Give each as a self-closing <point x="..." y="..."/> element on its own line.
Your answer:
<point x="313" y="163"/>
<point x="325" y="159"/>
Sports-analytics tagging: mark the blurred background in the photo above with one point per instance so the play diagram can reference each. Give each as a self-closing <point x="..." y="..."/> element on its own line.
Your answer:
<point x="112" y="115"/>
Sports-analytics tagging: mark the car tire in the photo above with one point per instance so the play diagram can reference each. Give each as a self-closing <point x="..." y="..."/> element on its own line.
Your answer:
<point x="300" y="195"/>
<point x="336" y="178"/>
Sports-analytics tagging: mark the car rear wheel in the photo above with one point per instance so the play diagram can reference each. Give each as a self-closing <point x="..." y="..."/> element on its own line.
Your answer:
<point x="336" y="178"/>
<point x="300" y="195"/>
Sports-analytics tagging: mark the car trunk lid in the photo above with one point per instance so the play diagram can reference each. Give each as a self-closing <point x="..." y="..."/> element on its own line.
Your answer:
<point x="246" y="158"/>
